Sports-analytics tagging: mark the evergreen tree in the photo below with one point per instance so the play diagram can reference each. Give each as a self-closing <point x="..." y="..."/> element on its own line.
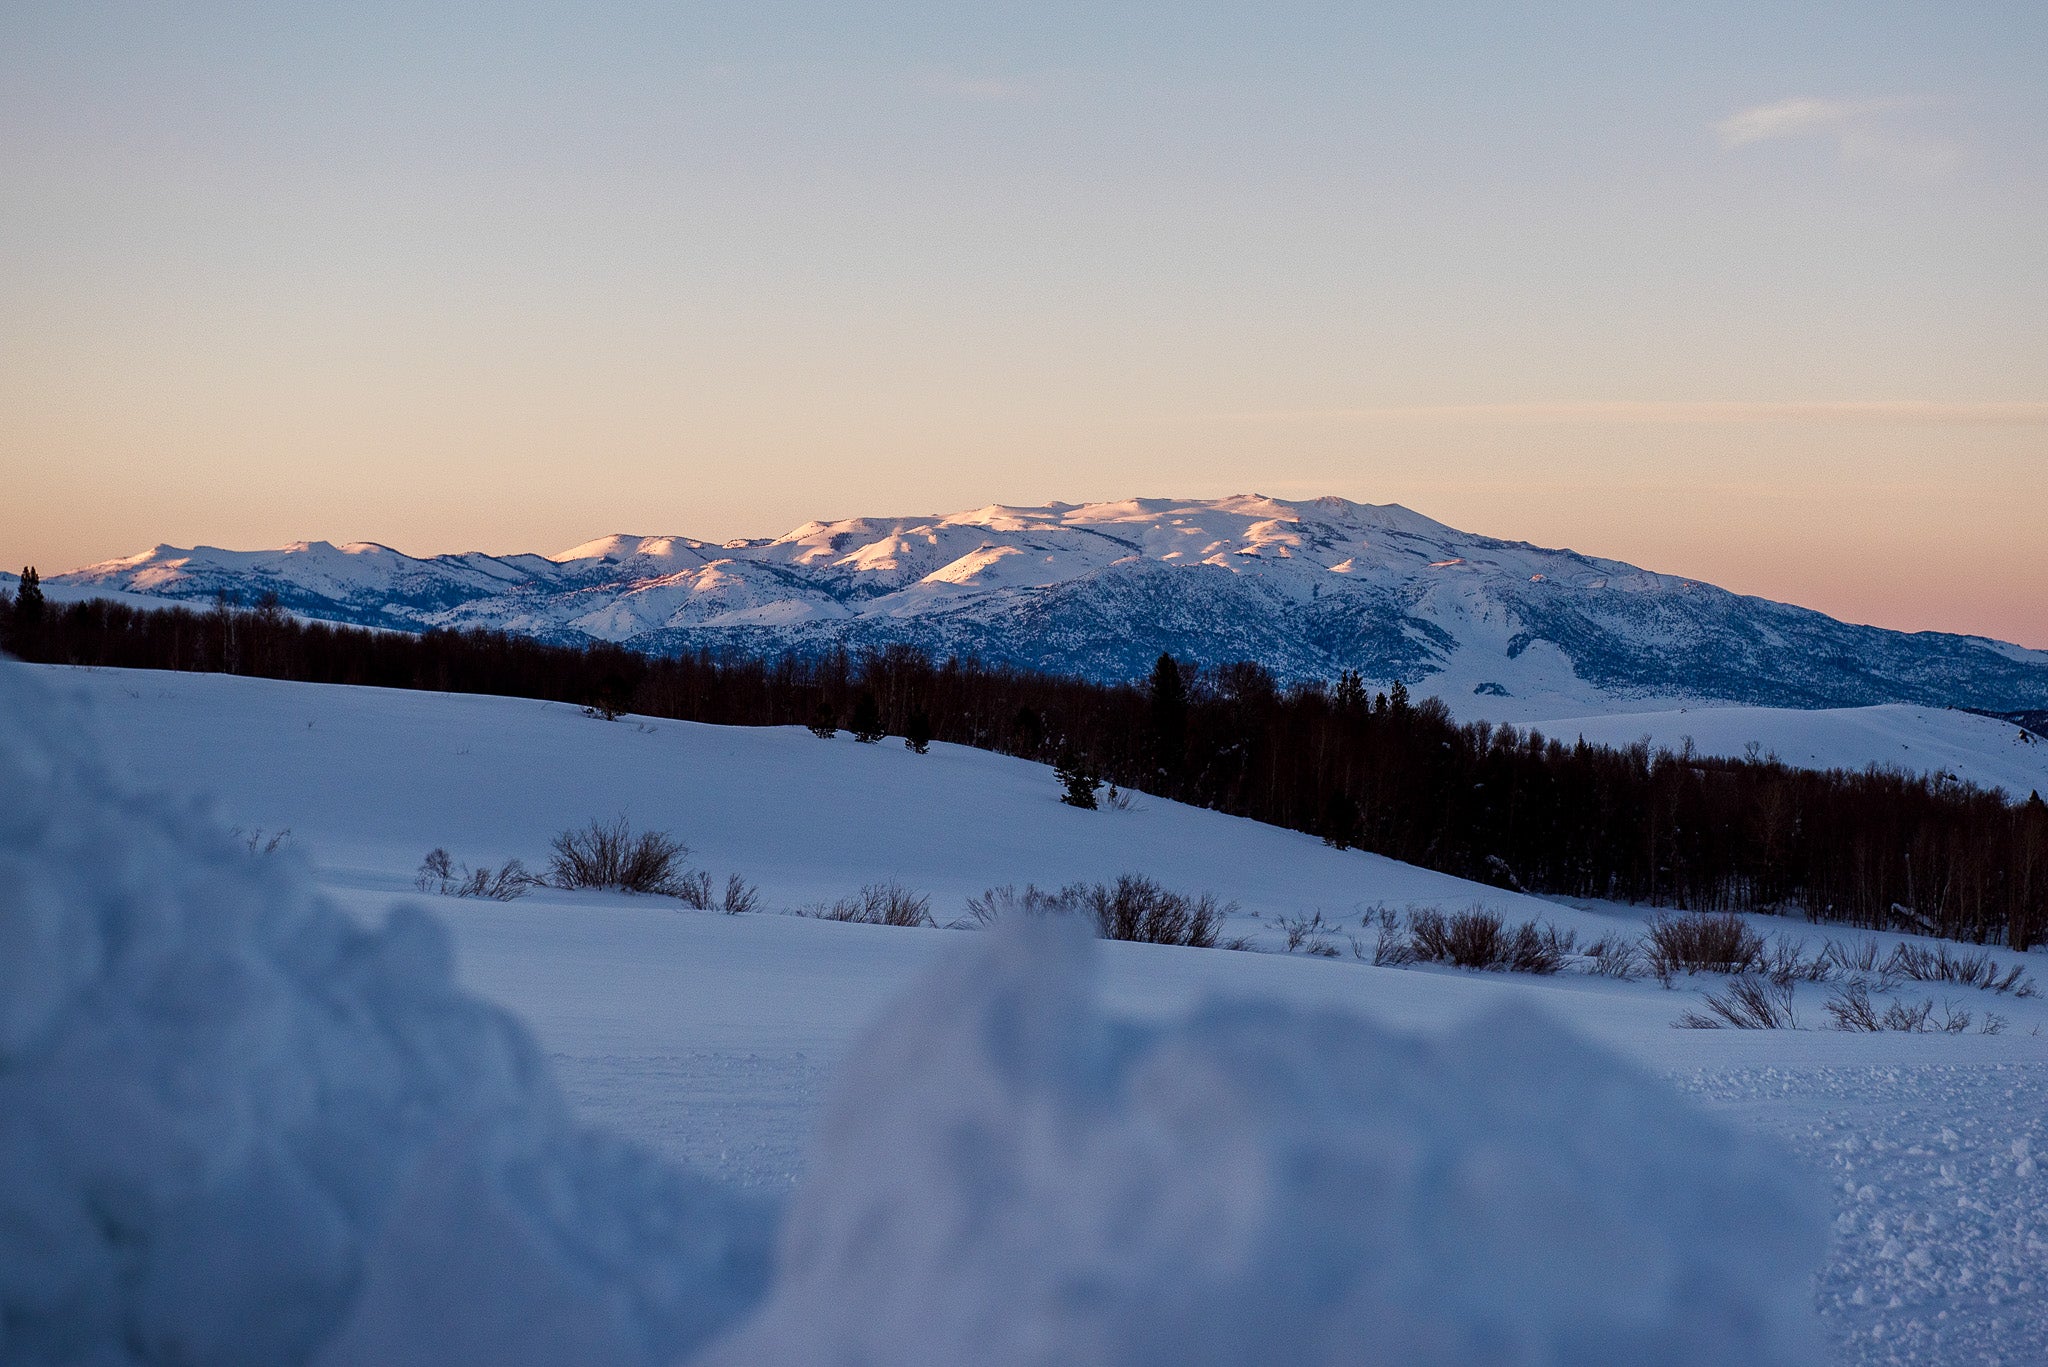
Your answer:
<point x="1351" y="700"/>
<point x="24" y="623"/>
<point x="1342" y="828"/>
<point x="824" y="721"/>
<point x="866" y="721"/>
<point x="1169" y="721"/>
<point x="917" y="732"/>
<point x="1079" y="785"/>
<point x="28" y="599"/>
<point x="1027" y="732"/>
<point x="1397" y="699"/>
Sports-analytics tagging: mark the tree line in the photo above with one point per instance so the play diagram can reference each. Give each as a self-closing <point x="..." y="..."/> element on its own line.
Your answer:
<point x="1376" y="771"/>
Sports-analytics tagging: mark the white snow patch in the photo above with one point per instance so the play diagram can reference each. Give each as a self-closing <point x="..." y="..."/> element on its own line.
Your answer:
<point x="1006" y="1177"/>
<point x="234" y="1121"/>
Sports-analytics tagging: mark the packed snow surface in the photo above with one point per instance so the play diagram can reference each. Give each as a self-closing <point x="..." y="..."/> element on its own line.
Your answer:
<point x="714" y="1041"/>
<point x="1004" y="1176"/>
<point x="237" y="1126"/>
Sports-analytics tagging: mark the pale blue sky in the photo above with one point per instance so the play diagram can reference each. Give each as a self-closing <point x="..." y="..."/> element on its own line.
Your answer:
<point x="1757" y="293"/>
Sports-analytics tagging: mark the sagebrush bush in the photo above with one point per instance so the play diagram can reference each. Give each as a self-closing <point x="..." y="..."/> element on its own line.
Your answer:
<point x="1966" y="968"/>
<point x="1478" y="939"/>
<point x="1132" y="908"/>
<point x="1702" y="942"/>
<point x="881" y="904"/>
<point x="439" y="873"/>
<point x="1751" y="1001"/>
<point x="1137" y="908"/>
<point x="608" y="855"/>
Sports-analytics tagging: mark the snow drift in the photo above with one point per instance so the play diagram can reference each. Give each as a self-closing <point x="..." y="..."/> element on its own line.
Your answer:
<point x="238" y="1127"/>
<point x="1007" y="1177"/>
<point x="235" y="1126"/>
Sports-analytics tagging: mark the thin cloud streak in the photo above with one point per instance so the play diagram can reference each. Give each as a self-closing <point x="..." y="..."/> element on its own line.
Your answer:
<point x="1914" y="411"/>
<point x="1856" y="127"/>
<point x="1792" y="118"/>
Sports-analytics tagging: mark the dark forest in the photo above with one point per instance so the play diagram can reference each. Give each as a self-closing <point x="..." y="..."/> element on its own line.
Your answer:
<point x="1375" y="771"/>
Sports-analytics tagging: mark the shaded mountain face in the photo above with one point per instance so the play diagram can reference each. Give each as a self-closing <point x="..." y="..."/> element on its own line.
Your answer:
<point x="1496" y="628"/>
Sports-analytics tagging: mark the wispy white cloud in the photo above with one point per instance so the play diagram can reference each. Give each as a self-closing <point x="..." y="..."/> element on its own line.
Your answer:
<point x="1794" y="118"/>
<point x="2015" y="413"/>
<point x="1865" y="131"/>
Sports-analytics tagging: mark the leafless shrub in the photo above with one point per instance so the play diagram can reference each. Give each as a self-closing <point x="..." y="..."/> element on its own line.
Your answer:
<point x="1137" y="908"/>
<point x="1851" y="1008"/>
<point x="1310" y="932"/>
<point x="741" y="896"/>
<point x="608" y="855"/>
<point x="256" y="842"/>
<point x="1861" y="958"/>
<point x="1784" y="960"/>
<point x="1700" y="942"/>
<point x="1390" y="944"/>
<point x="1907" y="1017"/>
<point x="1539" y="949"/>
<point x="692" y="888"/>
<point x="439" y="873"/>
<point x="1480" y="939"/>
<point x="1751" y="1001"/>
<point x="994" y="904"/>
<point x="1614" y="957"/>
<point x="1132" y="908"/>
<point x="882" y="904"/>
<point x="1965" y="968"/>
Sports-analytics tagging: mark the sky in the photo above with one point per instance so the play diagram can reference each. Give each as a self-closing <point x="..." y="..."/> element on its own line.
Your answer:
<point x="1751" y="292"/>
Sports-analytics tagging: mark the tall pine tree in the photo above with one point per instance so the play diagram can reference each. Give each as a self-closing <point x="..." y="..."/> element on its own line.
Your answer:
<point x="866" y="721"/>
<point x="1169" y="723"/>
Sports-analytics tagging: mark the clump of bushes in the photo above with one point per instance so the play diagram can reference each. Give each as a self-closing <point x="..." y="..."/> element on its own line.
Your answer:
<point x="1475" y="939"/>
<point x="439" y="873"/>
<point x="1699" y="942"/>
<point x="880" y="904"/>
<point x="1964" y="968"/>
<point x="1753" y="1001"/>
<point x="607" y="855"/>
<point x="1134" y="908"/>
<point x="694" y="889"/>
<point x="1852" y="1009"/>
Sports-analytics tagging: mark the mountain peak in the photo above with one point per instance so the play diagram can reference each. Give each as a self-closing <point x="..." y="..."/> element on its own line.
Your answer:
<point x="1308" y="588"/>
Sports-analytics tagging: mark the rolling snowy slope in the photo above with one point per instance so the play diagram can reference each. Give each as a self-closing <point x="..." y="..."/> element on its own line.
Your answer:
<point x="1501" y="629"/>
<point x="712" y="1037"/>
<point x="1976" y="749"/>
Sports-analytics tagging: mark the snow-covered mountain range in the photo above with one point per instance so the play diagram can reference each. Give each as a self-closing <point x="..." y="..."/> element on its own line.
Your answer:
<point x="1497" y="628"/>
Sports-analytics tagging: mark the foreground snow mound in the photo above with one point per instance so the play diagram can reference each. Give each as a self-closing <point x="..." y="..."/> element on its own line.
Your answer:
<point x="1004" y="1177"/>
<point x="236" y="1127"/>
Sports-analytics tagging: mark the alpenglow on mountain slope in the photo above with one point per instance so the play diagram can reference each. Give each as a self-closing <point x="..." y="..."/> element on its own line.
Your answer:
<point x="1499" y="628"/>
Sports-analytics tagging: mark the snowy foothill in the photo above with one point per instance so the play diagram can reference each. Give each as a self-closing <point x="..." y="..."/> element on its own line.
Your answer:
<point x="902" y="1092"/>
<point x="1966" y="746"/>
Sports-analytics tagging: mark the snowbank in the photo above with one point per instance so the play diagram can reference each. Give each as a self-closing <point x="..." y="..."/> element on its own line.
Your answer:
<point x="1006" y="1177"/>
<point x="234" y="1124"/>
<point x="238" y="1127"/>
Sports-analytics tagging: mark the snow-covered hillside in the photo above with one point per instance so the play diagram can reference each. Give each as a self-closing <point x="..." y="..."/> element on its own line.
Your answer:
<point x="1500" y="629"/>
<point x="1975" y="749"/>
<point x="712" y="1038"/>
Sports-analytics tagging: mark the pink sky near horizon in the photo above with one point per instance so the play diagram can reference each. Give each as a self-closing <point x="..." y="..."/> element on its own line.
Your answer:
<point x="1752" y="293"/>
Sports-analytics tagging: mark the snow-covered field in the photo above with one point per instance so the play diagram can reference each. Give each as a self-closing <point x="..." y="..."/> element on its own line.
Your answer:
<point x="1928" y="740"/>
<point x="714" y="1039"/>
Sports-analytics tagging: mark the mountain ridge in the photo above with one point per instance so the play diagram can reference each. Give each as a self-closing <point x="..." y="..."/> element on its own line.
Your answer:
<point x="1499" y="628"/>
